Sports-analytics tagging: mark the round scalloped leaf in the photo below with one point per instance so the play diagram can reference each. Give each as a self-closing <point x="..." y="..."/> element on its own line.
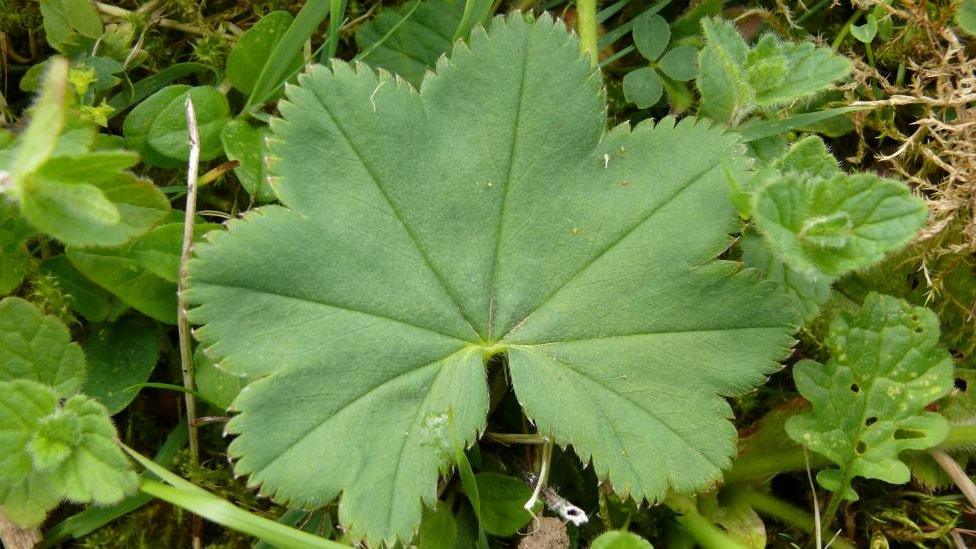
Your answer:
<point x="868" y="401"/>
<point x="38" y="347"/>
<point x="488" y="214"/>
<point x="55" y="452"/>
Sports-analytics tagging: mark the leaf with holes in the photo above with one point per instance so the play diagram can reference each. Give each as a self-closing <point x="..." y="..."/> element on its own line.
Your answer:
<point x="868" y="401"/>
<point x="488" y="215"/>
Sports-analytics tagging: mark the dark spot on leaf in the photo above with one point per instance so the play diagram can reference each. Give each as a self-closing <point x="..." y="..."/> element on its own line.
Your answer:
<point x="870" y="421"/>
<point x="904" y="434"/>
<point x="961" y="384"/>
<point x="860" y="447"/>
<point x="855" y="388"/>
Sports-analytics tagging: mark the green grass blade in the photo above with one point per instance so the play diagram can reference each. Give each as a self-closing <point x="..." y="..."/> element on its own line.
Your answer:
<point x="275" y="70"/>
<point x="758" y="129"/>
<point x="338" y="11"/>
<point x="611" y="10"/>
<point x="213" y="508"/>
<point x="475" y="11"/>
<point x="185" y="494"/>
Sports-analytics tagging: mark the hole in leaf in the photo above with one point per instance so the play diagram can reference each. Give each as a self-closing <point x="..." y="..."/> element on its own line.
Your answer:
<point x="860" y="447"/>
<point x="855" y="388"/>
<point x="905" y="434"/>
<point x="870" y="421"/>
<point x="918" y="330"/>
<point x="961" y="384"/>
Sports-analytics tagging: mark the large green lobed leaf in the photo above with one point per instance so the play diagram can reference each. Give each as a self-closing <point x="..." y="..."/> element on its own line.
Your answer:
<point x="488" y="214"/>
<point x="868" y="401"/>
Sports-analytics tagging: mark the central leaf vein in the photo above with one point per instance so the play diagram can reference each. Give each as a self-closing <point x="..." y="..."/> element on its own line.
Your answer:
<point x="396" y="212"/>
<point x="613" y="243"/>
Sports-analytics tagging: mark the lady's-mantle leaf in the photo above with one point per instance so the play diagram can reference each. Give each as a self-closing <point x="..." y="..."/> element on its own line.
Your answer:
<point x="869" y="399"/>
<point x="487" y="214"/>
<point x="38" y="348"/>
<point x="54" y="452"/>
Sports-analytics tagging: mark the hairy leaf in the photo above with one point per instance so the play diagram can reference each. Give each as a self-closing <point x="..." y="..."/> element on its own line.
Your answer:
<point x="828" y="227"/>
<point x="868" y="401"/>
<point x="488" y="214"/>
<point x="808" y="293"/>
<point x="38" y="347"/>
<point x="81" y="197"/>
<point x="15" y="260"/>
<point x="56" y="452"/>
<point x="735" y="80"/>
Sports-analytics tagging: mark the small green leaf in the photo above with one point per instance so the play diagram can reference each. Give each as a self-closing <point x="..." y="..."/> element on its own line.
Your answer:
<point x="807" y="70"/>
<point x="643" y="87"/>
<point x="15" y="259"/>
<point x="828" y="227"/>
<point x="619" y="539"/>
<point x="966" y="16"/>
<point x="120" y="355"/>
<point x="142" y="274"/>
<point x="38" y="347"/>
<point x="680" y="63"/>
<point x="735" y="79"/>
<point x="868" y="401"/>
<point x="83" y="295"/>
<point x="87" y="200"/>
<point x="410" y="48"/>
<point x="56" y="452"/>
<point x="438" y="528"/>
<point x="866" y="32"/>
<point x="64" y="17"/>
<point x="808" y="293"/>
<point x="168" y="133"/>
<point x="245" y="61"/>
<point x="721" y="80"/>
<point x="135" y="129"/>
<point x="503" y="503"/>
<point x="37" y="143"/>
<point x="651" y="35"/>
<point x="246" y="144"/>
<point x="215" y="385"/>
<point x="809" y="157"/>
